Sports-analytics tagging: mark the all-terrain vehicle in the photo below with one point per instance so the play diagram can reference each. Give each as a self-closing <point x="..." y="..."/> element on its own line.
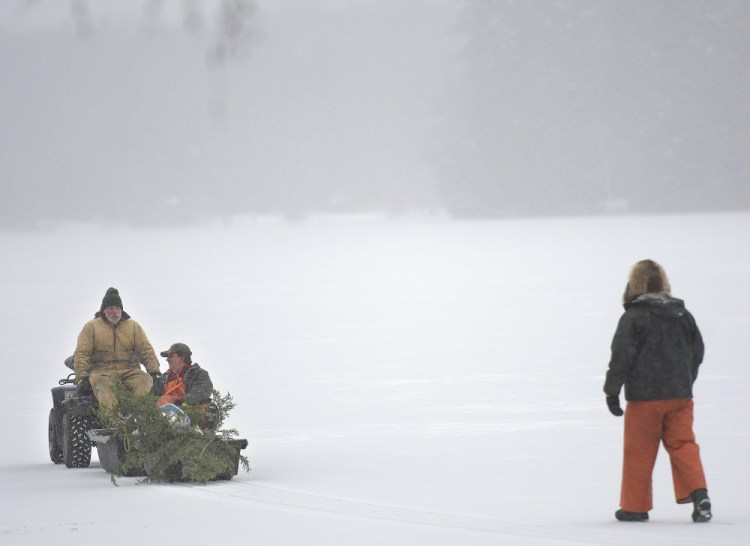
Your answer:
<point x="70" y="420"/>
<point x="73" y="431"/>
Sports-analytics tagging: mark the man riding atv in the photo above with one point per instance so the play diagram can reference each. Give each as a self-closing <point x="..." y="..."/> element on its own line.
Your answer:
<point x="185" y="382"/>
<point x="112" y="345"/>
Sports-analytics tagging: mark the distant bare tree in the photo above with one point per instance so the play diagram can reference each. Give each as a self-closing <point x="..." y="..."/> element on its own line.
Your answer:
<point x="234" y="24"/>
<point x="232" y="29"/>
<point x="79" y="9"/>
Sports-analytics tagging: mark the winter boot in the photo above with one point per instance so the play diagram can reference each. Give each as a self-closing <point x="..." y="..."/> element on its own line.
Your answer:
<point x="624" y="515"/>
<point x="702" y="506"/>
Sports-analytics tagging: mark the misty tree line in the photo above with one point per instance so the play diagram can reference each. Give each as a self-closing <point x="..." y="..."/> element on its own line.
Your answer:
<point x="560" y="108"/>
<point x="233" y="19"/>
<point x="595" y="106"/>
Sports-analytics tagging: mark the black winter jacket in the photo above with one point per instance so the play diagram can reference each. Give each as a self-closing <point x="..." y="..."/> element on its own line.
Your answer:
<point x="656" y="350"/>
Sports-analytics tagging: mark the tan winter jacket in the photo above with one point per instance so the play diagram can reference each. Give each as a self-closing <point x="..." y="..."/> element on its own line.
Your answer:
<point x="102" y="346"/>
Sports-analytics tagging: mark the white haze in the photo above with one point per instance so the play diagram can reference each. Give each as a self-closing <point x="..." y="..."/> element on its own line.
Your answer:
<point x="144" y="120"/>
<point x="401" y="382"/>
<point x="159" y="111"/>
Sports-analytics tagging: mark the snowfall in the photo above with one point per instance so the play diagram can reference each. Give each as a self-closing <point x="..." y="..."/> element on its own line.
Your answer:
<point x="401" y="381"/>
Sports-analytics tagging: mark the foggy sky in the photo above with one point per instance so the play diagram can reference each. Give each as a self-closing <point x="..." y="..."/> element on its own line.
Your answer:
<point x="154" y="111"/>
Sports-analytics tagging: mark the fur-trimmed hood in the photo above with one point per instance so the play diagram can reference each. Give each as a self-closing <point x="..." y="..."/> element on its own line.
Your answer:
<point x="646" y="277"/>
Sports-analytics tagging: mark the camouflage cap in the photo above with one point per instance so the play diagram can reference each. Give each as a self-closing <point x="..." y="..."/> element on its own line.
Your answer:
<point x="178" y="348"/>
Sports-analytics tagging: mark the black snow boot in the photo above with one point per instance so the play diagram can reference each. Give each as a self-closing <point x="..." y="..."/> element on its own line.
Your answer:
<point x="702" y="506"/>
<point x="624" y="515"/>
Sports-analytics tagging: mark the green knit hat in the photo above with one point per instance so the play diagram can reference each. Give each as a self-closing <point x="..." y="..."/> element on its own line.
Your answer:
<point x="111" y="299"/>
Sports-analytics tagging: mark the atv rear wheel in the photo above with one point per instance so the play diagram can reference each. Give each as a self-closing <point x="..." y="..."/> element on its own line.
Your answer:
<point x="76" y="446"/>
<point x="55" y="449"/>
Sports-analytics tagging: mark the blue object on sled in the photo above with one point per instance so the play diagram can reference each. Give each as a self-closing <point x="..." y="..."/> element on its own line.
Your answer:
<point x="175" y="414"/>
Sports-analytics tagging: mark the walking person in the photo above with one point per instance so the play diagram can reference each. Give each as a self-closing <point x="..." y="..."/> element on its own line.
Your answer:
<point x="656" y="351"/>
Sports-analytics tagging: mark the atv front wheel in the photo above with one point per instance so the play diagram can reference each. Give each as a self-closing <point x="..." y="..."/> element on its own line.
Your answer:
<point x="55" y="450"/>
<point x="76" y="446"/>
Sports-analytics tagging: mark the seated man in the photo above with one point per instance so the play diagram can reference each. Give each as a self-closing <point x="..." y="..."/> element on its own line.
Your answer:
<point x="112" y="345"/>
<point x="184" y="382"/>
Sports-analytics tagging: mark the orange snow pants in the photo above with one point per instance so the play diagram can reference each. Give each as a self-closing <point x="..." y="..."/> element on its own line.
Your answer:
<point x="646" y="425"/>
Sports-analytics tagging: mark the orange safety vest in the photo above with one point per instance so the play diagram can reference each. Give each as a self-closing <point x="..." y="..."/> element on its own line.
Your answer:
<point x="174" y="391"/>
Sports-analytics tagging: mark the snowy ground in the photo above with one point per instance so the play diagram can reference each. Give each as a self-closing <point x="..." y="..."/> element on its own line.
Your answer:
<point x="401" y="382"/>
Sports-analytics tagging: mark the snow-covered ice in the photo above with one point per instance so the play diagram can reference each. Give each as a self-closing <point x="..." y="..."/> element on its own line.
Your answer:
<point x="401" y="381"/>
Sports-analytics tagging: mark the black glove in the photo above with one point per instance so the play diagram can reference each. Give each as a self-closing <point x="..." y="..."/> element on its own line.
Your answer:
<point x="157" y="388"/>
<point x="84" y="386"/>
<point x="613" y="403"/>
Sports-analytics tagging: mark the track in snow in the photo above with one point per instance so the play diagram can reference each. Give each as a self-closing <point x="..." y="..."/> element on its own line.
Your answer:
<point x="281" y="497"/>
